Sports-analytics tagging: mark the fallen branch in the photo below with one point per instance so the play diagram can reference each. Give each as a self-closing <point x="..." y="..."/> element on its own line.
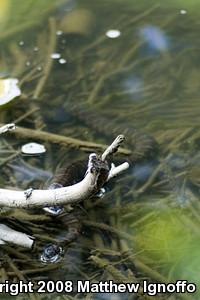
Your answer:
<point x="45" y="136"/>
<point x="96" y="176"/>
<point x="9" y="235"/>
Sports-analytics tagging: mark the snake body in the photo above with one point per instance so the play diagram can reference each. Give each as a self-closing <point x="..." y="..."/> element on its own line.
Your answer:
<point x="142" y="144"/>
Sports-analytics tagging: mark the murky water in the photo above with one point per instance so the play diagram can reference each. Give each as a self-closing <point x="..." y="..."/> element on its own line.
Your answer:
<point x="91" y="70"/>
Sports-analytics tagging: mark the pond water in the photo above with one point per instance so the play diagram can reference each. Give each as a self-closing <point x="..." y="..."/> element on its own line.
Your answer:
<point x="92" y="70"/>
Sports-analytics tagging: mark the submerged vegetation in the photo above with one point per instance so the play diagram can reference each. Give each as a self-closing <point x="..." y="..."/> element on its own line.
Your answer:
<point x="79" y="88"/>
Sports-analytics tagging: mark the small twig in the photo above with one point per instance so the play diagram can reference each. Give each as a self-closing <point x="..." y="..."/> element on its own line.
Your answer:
<point x="28" y="76"/>
<point x="105" y="264"/>
<point x="27" y="114"/>
<point x="114" y="171"/>
<point x="49" y="62"/>
<point x="113" y="147"/>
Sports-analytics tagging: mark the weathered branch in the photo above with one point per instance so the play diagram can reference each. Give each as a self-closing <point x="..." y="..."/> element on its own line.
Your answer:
<point x="65" y="195"/>
<point x="114" y="171"/>
<point x="113" y="147"/>
<point x="70" y="194"/>
<point x="44" y="136"/>
<point x="97" y="175"/>
<point x="9" y="235"/>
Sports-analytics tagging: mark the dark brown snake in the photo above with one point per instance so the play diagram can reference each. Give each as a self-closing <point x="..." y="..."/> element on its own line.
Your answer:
<point x="142" y="145"/>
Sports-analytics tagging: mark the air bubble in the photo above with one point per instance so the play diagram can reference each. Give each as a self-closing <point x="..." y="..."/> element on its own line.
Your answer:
<point x="62" y="61"/>
<point x="55" y="55"/>
<point x="183" y="11"/>
<point x="59" y="32"/>
<point x="51" y="253"/>
<point x="113" y="33"/>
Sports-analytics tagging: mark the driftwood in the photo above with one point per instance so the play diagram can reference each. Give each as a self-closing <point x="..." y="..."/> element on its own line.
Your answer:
<point x="8" y="234"/>
<point x="44" y="136"/>
<point x="97" y="174"/>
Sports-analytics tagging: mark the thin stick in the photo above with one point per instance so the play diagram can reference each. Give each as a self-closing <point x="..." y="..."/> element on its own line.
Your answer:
<point x="114" y="171"/>
<point x="49" y="62"/>
<point x="66" y="195"/>
<point x="113" y="147"/>
<point x="27" y="114"/>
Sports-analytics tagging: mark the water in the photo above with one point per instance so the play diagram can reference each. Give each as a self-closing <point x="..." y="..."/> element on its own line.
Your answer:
<point x="89" y="70"/>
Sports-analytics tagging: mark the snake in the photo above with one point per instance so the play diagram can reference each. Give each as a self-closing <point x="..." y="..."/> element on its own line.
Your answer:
<point x="142" y="145"/>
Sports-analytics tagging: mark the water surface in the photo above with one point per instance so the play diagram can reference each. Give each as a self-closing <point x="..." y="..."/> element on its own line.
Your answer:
<point x="137" y="65"/>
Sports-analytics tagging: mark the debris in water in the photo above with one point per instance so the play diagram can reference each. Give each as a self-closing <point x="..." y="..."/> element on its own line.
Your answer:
<point x="33" y="148"/>
<point x="62" y="61"/>
<point x="59" y="32"/>
<point x="21" y="43"/>
<point x="183" y="11"/>
<point x="113" y="33"/>
<point x="8" y="90"/>
<point x="54" y="210"/>
<point x="55" y="55"/>
<point x="51" y="253"/>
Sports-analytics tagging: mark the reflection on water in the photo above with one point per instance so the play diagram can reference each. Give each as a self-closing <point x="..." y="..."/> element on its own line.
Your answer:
<point x="91" y="70"/>
<point x="155" y="38"/>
